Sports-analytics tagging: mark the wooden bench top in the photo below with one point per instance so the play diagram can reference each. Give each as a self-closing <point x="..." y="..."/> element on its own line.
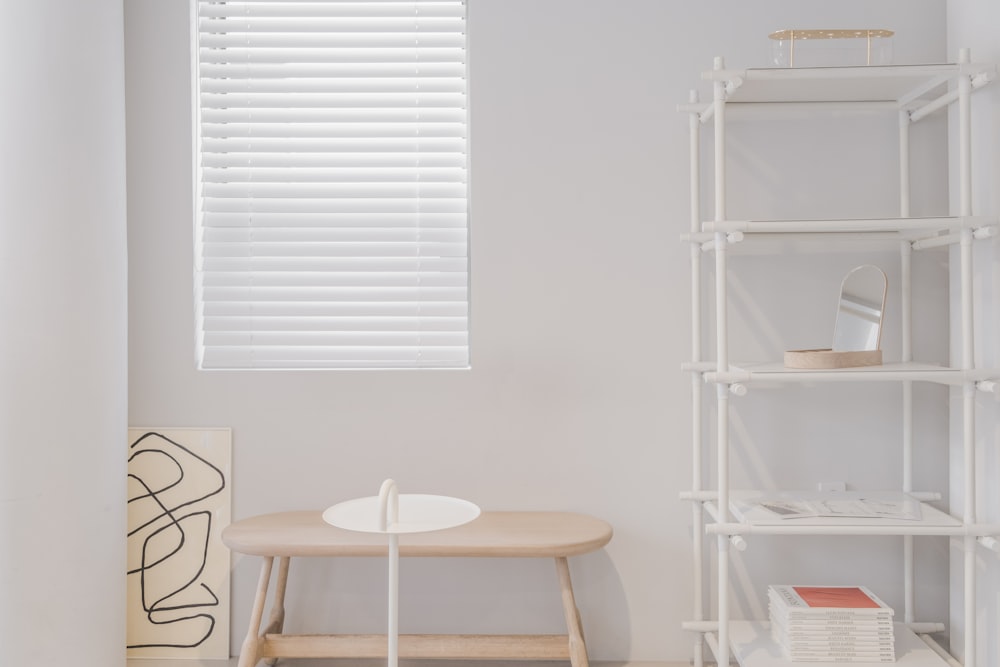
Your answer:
<point x="491" y="535"/>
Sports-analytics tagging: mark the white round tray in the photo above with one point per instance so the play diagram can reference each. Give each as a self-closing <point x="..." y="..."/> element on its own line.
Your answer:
<point x="418" y="513"/>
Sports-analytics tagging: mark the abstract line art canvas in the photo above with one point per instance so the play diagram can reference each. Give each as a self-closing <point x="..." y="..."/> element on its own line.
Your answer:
<point x="178" y="568"/>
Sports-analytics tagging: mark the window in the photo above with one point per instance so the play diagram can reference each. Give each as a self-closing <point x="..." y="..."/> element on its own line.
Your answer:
<point x="331" y="221"/>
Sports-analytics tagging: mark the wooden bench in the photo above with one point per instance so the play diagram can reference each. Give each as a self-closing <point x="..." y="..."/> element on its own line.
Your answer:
<point x="286" y="535"/>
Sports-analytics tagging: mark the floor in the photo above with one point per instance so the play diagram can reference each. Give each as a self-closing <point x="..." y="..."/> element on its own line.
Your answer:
<point x="403" y="663"/>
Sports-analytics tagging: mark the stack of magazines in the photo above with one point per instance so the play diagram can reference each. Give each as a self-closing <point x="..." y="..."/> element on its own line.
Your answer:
<point x="831" y="624"/>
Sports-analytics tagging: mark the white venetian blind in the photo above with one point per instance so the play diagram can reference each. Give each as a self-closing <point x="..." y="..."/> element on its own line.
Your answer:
<point x="332" y="219"/>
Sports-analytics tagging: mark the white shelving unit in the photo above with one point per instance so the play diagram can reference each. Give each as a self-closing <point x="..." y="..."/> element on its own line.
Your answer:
<point x="911" y="92"/>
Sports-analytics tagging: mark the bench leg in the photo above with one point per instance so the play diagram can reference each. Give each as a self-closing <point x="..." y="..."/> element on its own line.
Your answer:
<point x="577" y="646"/>
<point x="250" y="651"/>
<point x="276" y="623"/>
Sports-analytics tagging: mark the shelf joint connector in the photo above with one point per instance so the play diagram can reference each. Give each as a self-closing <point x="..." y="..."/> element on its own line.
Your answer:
<point x="990" y="542"/>
<point x="981" y="233"/>
<point x="733" y="84"/>
<point x="981" y="79"/>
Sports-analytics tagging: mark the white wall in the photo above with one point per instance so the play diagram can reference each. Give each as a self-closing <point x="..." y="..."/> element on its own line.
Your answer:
<point x="62" y="333"/>
<point x="975" y="24"/>
<point x="580" y="294"/>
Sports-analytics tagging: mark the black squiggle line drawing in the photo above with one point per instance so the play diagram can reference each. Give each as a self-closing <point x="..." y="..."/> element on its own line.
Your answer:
<point x="168" y="496"/>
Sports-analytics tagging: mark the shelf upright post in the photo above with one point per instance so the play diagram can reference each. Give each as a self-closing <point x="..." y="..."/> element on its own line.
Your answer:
<point x="697" y="511"/>
<point x="721" y="288"/>
<point x="906" y="315"/>
<point x="722" y="361"/>
<point x="968" y="353"/>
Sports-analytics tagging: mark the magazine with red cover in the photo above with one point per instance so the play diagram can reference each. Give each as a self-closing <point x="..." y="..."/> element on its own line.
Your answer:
<point x="795" y="601"/>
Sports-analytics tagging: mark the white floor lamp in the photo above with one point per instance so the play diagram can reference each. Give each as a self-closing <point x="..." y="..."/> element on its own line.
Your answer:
<point x="390" y="513"/>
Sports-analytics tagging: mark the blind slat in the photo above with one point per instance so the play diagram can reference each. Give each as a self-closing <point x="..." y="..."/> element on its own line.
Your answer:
<point x="308" y="279"/>
<point x="308" y="235"/>
<point x="332" y="206"/>
<point x="333" y="294"/>
<point x="332" y="9"/>
<point x="430" y="309"/>
<point x="255" y="144"/>
<point x="261" y="117"/>
<point x="417" y="191"/>
<point x="318" y="354"/>
<point x="332" y="184"/>
<point x="341" y="84"/>
<point x="360" y="266"/>
<point x="300" y="251"/>
<point x="359" y="249"/>
<point x="412" y="70"/>
<point x="386" y="339"/>
<point x="414" y="26"/>
<point x="342" y="159"/>
<point x="328" y="323"/>
<point x="346" y="54"/>
<point x="347" y="40"/>
<point x="369" y="175"/>
<point x="333" y="100"/>
<point x="332" y="220"/>
<point x="236" y="130"/>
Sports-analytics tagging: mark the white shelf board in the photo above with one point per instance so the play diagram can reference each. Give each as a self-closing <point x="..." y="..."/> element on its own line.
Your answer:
<point x="753" y="646"/>
<point x="861" y="226"/>
<point x="856" y="234"/>
<point x="888" y="372"/>
<point x="802" y="243"/>
<point x="743" y="507"/>
<point x="882" y="83"/>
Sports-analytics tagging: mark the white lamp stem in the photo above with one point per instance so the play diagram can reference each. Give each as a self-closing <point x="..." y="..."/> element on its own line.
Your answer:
<point x="389" y="515"/>
<point x="393" y="599"/>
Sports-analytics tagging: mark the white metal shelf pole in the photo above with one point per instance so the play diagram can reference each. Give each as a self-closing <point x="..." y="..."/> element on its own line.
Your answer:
<point x="722" y="362"/>
<point x="721" y="292"/>
<point x="906" y="317"/>
<point x="968" y="354"/>
<point x="697" y="512"/>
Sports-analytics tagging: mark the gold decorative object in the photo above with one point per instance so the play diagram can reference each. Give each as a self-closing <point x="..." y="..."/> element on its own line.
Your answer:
<point x="820" y="47"/>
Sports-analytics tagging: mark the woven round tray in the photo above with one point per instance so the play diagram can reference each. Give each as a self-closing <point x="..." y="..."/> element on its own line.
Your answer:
<point x="819" y="359"/>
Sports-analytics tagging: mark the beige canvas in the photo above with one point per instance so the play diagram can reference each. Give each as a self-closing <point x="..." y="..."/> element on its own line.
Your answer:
<point x="178" y="568"/>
